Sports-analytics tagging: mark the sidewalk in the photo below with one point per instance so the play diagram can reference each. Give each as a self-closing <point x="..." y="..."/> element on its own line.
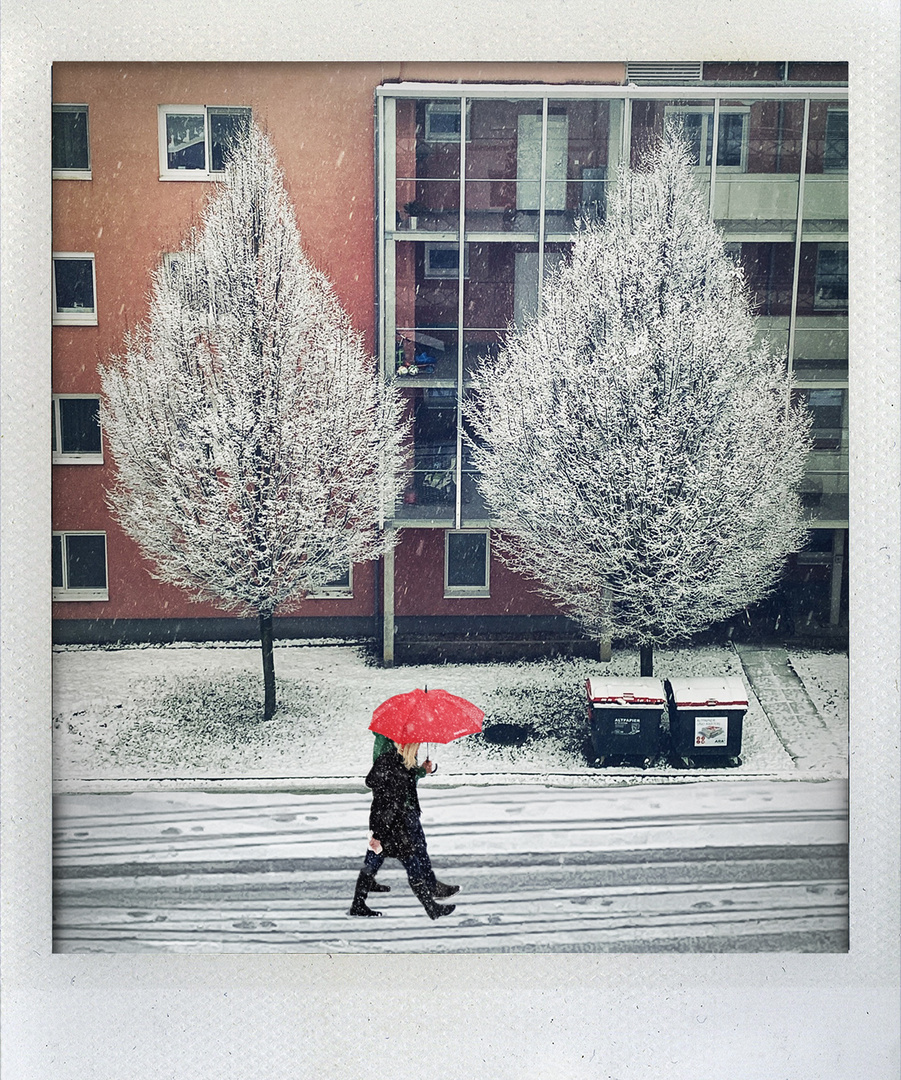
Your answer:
<point x="788" y="706"/>
<point x="187" y="718"/>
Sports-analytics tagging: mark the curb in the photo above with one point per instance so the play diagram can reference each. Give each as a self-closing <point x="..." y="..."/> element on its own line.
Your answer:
<point x="340" y="785"/>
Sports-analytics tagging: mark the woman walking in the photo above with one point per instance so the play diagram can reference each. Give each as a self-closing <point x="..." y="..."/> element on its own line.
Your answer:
<point x="396" y="830"/>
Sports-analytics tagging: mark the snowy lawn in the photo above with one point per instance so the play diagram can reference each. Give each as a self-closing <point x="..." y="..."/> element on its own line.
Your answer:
<point x="193" y="712"/>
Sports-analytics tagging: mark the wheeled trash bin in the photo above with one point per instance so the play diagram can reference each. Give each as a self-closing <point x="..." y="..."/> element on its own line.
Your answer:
<point x="705" y="719"/>
<point x="624" y="717"/>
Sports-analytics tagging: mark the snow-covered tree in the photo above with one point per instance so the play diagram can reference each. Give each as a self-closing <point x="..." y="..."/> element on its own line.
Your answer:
<point x="256" y="449"/>
<point x="639" y="454"/>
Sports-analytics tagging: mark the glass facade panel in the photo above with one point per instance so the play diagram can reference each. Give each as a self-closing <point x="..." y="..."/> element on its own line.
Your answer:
<point x="532" y="170"/>
<point x="479" y="345"/>
<point x="650" y="120"/>
<point x="826" y="188"/>
<point x="827" y="138"/>
<point x="427" y="164"/>
<point x="821" y="347"/>
<point x="758" y="169"/>
<point x="426" y="310"/>
<point x="428" y="205"/>
<point x="498" y="273"/>
<point x="432" y="491"/>
<point x="769" y="273"/>
<point x="503" y="166"/>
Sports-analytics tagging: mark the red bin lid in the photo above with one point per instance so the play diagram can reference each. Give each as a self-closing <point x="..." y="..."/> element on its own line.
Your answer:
<point x="622" y="691"/>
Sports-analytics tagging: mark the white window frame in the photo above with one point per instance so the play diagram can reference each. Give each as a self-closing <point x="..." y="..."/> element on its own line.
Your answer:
<point x="65" y="593"/>
<point x="74" y="174"/>
<point x="434" y="272"/>
<point x="462" y="591"/>
<point x="62" y="457"/>
<point x="191" y="110"/>
<point x="706" y="114"/>
<point x="74" y="318"/>
<point x="827" y="304"/>
<point x="334" y="592"/>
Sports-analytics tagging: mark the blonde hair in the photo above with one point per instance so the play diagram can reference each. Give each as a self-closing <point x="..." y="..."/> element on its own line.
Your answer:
<point x="408" y="752"/>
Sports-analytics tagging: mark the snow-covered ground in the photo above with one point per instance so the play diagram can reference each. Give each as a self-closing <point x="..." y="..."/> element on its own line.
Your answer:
<point x="188" y="713"/>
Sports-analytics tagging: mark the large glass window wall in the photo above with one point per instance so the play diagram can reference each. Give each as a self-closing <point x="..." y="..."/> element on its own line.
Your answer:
<point x="482" y="189"/>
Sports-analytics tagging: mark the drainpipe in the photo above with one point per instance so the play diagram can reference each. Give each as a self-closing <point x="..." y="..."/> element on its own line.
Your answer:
<point x="388" y="604"/>
<point x="838" y="562"/>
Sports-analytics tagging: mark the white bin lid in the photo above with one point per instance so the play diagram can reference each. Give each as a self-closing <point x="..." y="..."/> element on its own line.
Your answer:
<point x="728" y="692"/>
<point x="626" y="691"/>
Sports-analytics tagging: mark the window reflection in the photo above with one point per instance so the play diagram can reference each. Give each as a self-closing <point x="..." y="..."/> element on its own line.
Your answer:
<point x="532" y="170"/>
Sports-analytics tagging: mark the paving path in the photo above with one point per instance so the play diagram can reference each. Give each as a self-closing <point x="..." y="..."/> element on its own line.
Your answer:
<point x="748" y="866"/>
<point x="789" y="708"/>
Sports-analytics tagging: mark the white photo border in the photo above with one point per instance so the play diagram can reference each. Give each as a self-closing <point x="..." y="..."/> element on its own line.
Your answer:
<point x="510" y="1016"/>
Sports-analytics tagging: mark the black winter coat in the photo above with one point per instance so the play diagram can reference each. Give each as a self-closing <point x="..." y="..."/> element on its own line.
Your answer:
<point x="393" y="790"/>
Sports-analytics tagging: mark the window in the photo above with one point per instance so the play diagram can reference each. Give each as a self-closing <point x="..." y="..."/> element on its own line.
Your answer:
<point x="831" y="284"/>
<point x="74" y="289"/>
<point x="732" y="143"/>
<point x="466" y="564"/>
<point x="835" y="151"/>
<point x="70" y="148"/>
<point x="194" y="139"/>
<point x="443" y="260"/>
<point x="79" y="566"/>
<point x="341" y="586"/>
<point x="442" y="121"/>
<point x="76" y="430"/>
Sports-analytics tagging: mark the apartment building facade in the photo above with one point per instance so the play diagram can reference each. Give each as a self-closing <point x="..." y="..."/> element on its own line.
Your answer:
<point x="436" y="197"/>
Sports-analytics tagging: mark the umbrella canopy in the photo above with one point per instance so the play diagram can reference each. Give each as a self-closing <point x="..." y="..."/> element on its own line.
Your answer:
<point x="426" y="716"/>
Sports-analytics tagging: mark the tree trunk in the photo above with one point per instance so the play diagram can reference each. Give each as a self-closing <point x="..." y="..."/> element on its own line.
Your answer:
<point x="268" y="665"/>
<point x="646" y="653"/>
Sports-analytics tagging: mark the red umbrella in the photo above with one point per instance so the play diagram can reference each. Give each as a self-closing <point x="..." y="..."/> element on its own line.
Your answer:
<point x="426" y="716"/>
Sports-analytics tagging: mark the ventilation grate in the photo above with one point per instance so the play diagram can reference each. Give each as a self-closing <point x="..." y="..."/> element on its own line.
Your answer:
<point x="663" y="73"/>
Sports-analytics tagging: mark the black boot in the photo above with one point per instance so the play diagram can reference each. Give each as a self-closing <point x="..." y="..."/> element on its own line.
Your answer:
<point x="441" y="890"/>
<point x="433" y="910"/>
<point x="358" y="907"/>
<point x="374" y="886"/>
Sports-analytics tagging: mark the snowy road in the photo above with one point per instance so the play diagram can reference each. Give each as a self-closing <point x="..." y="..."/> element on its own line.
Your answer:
<point x="745" y="866"/>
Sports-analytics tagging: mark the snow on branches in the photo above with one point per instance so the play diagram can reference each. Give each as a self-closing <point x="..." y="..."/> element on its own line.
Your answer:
<point x="256" y="450"/>
<point x="639" y="454"/>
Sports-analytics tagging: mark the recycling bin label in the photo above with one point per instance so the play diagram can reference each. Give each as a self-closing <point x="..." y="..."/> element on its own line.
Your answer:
<point x="626" y="725"/>
<point x="711" y="730"/>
